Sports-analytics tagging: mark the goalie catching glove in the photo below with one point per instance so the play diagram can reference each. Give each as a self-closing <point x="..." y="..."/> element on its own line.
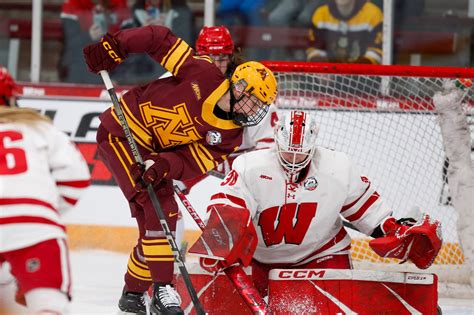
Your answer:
<point x="228" y="238"/>
<point x="104" y="55"/>
<point x="418" y="242"/>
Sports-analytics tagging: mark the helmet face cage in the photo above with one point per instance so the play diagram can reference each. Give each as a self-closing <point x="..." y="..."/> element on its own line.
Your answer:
<point x="247" y="109"/>
<point x="295" y="137"/>
<point x="214" y="40"/>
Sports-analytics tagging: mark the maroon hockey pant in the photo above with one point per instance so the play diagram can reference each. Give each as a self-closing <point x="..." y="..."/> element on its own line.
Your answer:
<point x="151" y="260"/>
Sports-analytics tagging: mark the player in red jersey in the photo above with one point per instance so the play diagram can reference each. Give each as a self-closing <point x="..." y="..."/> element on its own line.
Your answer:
<point x="8" y="88"/>
<point x="184" y="125"/>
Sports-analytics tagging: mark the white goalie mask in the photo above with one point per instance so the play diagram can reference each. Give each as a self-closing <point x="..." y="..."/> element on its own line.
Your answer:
<point x="295" y="138"/>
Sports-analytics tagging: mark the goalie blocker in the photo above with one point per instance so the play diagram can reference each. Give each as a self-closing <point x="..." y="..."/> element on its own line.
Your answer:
<point x="229" y="238"/>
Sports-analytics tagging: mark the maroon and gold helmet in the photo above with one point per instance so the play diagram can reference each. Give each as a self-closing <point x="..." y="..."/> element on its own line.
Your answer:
<point x="214" y="40"/>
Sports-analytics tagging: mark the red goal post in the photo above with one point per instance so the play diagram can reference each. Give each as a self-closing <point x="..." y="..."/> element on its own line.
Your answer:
<point x="384" y="118"/>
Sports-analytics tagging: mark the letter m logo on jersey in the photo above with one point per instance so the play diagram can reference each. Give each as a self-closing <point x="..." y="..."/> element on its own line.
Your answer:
<point x="291" y="222"/>
<point x="172" y="127"/>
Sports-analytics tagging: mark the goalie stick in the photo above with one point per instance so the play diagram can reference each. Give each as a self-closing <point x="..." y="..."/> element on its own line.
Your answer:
<point x="236" y="274"/>
<point x="151" y="193"/>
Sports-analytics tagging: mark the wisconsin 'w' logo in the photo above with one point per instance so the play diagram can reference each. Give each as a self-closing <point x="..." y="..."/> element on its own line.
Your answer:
<point x="291" y="221"/>
<point x="172" y="127"/>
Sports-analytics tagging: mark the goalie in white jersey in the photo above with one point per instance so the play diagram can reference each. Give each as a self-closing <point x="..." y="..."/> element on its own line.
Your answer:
<point x="294" y="199"/>
<point x="42" y="174"/>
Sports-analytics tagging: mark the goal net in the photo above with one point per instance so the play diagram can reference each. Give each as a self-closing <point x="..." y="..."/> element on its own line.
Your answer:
<point x="418" y="156"/>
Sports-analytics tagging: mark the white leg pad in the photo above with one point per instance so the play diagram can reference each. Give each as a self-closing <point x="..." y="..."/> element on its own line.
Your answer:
<point x="47" y="301"/>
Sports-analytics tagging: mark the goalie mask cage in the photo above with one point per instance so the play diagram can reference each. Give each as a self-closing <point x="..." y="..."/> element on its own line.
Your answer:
<point x="384" y="118"/>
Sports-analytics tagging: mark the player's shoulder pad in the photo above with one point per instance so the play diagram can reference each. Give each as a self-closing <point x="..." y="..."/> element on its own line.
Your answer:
<point x="253" y="160"/>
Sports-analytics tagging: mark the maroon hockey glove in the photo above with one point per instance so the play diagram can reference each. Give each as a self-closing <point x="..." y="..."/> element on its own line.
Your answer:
<point x="152" y="171"/>
<point x="418" y="242"/>
<point x="104" y="55"/>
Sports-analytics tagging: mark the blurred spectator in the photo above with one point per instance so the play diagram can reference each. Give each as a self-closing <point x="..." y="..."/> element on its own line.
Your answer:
<point x="293" y="13"/>
<point x="174" y="14"/>
<point x="404" y="10"/>
<point x="346" y="31"/>
<point x="42" y="175"/>
<point x="84" y="22"/>
<point x="8" y="88"/>
<point x="248" y="12"/>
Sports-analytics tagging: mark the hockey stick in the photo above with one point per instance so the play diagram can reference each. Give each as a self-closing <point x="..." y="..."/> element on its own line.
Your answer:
<point x="236" y="274"/>
<point x="151" y="193"/>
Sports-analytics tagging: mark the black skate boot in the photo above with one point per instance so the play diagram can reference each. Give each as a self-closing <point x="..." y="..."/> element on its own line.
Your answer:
<point x="133" y="303"/>
<point x="165" y="300"/>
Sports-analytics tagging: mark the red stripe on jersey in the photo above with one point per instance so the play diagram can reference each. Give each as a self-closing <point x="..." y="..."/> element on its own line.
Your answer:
<point x="75" y="183"/>
<point x="297" y="128"/>
<point x="30" y="219"/>
<point x="344" y="208"/>
<point x="27" y="201"/>
<point x="364" y="208"/>
<point x="234" y="199"/>
<point x="70" y="201"/>
<point x="333" y="241"/>
<point x="266" y="140"/>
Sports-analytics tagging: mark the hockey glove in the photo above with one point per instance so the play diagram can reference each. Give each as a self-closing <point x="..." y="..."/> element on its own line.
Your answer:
<point x="418" y="242"/>
<point x="104" y="55"/>
<point x="229" y="238"/>
<point x="152" y="171"/>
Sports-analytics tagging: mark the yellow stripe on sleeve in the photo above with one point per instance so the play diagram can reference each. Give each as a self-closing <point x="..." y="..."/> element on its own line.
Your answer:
<point x="206" y="157"/>
<point x="195" y="155"/>
<point x="176" y="55"/>
<point x="180" y="63"/>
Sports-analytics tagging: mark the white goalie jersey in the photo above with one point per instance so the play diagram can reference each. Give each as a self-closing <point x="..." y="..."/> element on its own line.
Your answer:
<point x="41" y="175"/>
<point x="297" y="223"/>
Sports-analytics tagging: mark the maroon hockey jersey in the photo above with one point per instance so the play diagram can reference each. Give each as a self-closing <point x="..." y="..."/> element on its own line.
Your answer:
<point x="176" y="116"/>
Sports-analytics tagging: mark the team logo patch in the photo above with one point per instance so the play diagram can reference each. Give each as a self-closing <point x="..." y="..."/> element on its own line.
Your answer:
<point x="33" y="265"/>
<point x="310" y="183"/>
<point x="213" y="137"/>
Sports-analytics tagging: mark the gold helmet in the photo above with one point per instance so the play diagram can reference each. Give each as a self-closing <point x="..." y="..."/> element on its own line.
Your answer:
<point x="259" y="80"/>
<point x="254" y="88"/>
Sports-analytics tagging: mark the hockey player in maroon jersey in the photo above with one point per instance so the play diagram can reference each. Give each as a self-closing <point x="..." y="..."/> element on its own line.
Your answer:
<point x="293" y="200"/>
<point x="184" y="126"/>
<point x="217" y="43"/>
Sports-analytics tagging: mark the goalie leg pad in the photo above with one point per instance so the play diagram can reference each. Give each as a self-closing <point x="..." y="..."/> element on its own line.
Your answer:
<point x="229" y="236"/>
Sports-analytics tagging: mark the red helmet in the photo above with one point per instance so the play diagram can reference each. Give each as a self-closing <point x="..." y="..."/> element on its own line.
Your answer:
<point x="7" y="86"/>
<point x="214" y="40"/>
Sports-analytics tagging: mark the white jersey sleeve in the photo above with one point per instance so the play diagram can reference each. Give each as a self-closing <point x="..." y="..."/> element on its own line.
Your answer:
<point x="233" y="189"/>
<point x="363" y="207"/>
<point x="261" y="135"/>
<point x="68" y="168"/>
